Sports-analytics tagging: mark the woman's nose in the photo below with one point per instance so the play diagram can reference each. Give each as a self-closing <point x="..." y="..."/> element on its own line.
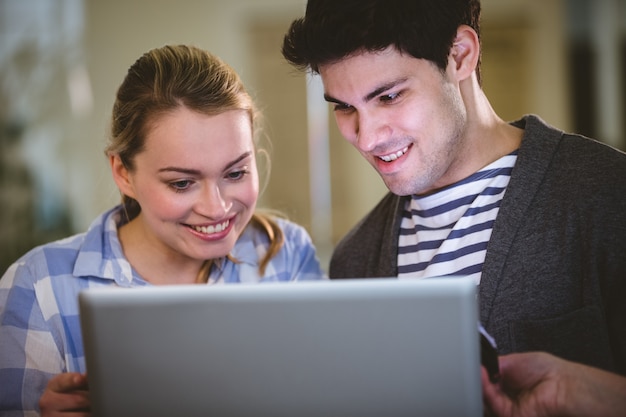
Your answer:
<point x="213" y="203"/>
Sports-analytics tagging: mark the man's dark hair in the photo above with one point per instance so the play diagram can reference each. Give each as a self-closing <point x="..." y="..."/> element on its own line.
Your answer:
<point x="335" y="29"/>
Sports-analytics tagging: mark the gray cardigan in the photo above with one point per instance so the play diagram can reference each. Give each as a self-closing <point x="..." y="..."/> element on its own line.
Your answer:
<point x="554" y="277"/>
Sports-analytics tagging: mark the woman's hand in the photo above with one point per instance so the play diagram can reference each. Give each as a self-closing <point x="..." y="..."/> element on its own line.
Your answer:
<point x="66" y="394"/>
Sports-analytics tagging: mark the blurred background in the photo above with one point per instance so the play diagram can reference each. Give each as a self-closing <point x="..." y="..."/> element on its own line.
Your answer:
<point x="61" y="62"/>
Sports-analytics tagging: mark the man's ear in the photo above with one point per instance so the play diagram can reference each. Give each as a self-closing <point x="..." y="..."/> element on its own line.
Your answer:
<point x="121" y="176"/>
<point x="465" y="52"/>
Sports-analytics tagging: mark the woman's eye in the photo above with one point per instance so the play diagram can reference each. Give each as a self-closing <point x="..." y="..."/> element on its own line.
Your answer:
<point x="180" y="185"/>
<point x="236" y="175"/>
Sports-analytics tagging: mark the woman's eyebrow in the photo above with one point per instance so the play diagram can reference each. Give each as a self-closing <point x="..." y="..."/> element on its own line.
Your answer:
<point x="181" y="170"/>
<point x="241" y="158"/>
<point x="197" y="172"/>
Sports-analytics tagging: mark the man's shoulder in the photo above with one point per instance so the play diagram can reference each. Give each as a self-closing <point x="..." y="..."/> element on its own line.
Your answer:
<point x="371" y="244"/>
<point x="538" y="133"/>
<point x="381" y="217"/>
<point x="548" y="150"/>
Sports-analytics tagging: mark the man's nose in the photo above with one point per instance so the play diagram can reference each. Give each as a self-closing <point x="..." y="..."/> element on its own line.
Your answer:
<point x="370" y="132"/>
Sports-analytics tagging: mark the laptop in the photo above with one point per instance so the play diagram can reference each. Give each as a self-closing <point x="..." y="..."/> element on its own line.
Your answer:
<point x="364" y="347"/>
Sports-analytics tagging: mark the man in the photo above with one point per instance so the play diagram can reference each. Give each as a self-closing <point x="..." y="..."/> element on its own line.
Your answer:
<point x="535" y="215"/>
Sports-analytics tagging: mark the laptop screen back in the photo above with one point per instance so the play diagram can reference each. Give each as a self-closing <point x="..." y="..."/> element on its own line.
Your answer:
<point x="369" y="347"/>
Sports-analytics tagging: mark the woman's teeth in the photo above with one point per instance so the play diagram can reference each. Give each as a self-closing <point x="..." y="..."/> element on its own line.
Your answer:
<point x="394" y="156"/>
<point x="212" y="229"/>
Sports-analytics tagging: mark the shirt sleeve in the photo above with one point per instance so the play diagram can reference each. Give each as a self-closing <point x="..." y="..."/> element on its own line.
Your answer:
<point x="29" y="350"/>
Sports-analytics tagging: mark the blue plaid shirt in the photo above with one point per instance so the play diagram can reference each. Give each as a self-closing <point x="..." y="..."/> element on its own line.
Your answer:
<point x="39" y="323"/>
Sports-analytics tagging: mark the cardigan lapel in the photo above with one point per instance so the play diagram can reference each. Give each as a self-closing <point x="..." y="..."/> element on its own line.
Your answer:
<point x="536" y="151"/>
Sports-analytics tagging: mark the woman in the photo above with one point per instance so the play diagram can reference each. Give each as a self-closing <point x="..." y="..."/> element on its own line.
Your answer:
<point x="183" y="155"/>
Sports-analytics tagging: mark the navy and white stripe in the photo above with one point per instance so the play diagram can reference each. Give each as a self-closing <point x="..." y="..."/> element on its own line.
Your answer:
<point x="446" y="233"/>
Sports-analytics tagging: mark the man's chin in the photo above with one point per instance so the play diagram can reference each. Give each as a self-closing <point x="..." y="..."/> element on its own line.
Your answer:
<point x="398" y="187"/>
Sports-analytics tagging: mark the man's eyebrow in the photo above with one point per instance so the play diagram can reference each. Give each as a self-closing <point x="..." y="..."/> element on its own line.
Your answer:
<point x="331" y="99"/>
<point x="383" y="88"/>
<point x="370" y="96"/>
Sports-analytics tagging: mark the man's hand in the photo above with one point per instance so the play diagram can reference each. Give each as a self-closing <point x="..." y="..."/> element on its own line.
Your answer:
<point x="538" y="384"/>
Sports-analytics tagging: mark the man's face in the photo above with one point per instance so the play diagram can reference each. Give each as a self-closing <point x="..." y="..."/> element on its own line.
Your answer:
<point x="404" y="115"/>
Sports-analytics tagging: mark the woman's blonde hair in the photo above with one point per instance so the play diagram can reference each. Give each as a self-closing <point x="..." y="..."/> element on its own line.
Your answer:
<point x="164" y="79"/>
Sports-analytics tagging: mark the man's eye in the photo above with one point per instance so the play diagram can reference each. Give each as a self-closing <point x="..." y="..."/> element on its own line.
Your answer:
<point x="389" y="97"/>
<point x="342" y="107"/>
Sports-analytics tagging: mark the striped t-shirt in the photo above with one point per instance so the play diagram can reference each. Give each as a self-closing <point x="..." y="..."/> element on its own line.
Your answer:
<point x="446" y="233"/>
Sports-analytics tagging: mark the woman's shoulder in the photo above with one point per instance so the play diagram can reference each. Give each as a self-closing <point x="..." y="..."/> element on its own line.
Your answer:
<point x="50" y="259"/>
<point x="57" y="257"/>
<point x="268" y="228"/>
<point x="53" y="249"/>
<point x="291" y="229"/>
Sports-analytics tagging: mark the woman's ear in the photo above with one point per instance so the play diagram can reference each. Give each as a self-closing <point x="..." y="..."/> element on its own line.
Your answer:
<point x="465" y="52"/>
<point x="121" y="176"/>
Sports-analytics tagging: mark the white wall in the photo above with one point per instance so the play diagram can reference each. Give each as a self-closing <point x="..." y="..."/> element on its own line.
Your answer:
<point x="119" y="31"/>
<point x="116" y="32"/>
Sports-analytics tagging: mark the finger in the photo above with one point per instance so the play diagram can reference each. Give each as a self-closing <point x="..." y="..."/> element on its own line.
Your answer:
<point x="484" y="377"/>
<point x="66" y="414"/>
<point x="495" y="400"/>
<point x="52" y="403"/>
<point x="70" y="381"/>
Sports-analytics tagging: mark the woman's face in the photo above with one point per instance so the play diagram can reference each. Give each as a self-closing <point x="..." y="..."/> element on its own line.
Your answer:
<point x="196" y="182"/>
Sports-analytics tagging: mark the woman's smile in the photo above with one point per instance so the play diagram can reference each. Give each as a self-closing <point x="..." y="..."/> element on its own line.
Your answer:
<point x="213" y="231"/>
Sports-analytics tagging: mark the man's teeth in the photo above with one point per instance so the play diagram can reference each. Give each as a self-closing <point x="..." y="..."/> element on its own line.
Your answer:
<point x="394" y="156"/>
<point x="212" y="229"/>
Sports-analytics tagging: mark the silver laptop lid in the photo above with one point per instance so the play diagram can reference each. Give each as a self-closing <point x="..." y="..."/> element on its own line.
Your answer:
<point x="369" y="347"/>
